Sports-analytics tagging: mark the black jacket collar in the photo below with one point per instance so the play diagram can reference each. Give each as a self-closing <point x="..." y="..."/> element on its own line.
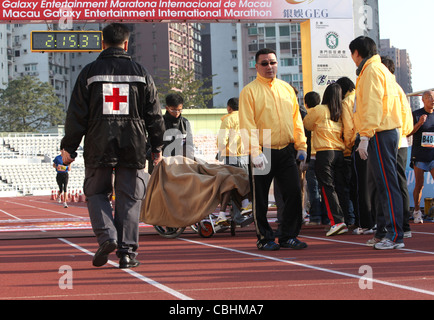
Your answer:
<point x="113" y="52"/>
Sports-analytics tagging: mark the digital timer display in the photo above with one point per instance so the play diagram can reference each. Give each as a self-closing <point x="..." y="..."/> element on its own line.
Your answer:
<point x="66" y="41"/>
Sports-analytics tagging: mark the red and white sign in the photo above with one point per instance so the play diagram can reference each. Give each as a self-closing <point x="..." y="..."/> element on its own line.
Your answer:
<point x="115" y="99"/>
<point x="139" y="10"/>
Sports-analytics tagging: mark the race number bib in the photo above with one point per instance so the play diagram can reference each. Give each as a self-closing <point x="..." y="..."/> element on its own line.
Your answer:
<point x="427" y="139"/>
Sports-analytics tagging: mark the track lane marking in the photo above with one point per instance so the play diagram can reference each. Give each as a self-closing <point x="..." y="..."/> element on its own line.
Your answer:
<point x="303" y="265"/>
<point x="49" y="210"/>
<point x="364" y="245"/>
<point x="10" y="215"/>
<point x="139" y="276"/>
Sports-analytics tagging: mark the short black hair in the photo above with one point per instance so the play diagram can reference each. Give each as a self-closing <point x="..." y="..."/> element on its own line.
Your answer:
<point x="389" y="64"/>
<point x="264" y="51"/>
<point x="312" y="99"/>
<point x="115" y="34"/>
<point x="174" y="100"/>
<point x="233" y="103"/>
<point x="365" y="46"/>
<point x="347" y="85"/>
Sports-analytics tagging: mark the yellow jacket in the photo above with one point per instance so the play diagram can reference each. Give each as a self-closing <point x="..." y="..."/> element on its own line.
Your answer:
<point x="377" y="101"/>
<point x="270" y="106"/>
<point x="407" y="117"/>
<point x="229" y="138"/>
<point x="349" y="130"/>
<point x="327" y="134"/>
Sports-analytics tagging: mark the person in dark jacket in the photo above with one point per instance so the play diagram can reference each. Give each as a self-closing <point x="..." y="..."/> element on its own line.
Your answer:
<point x="181" y="135"/>
<point x="115" y="106"/>
<point x="178" y="137"/>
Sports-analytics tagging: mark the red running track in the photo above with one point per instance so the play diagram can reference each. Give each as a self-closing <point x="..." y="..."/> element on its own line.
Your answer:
<point x="219" y="268"/>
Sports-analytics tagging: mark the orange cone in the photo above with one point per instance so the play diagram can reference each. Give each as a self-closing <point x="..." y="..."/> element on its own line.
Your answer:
<point x="80" y="197"/>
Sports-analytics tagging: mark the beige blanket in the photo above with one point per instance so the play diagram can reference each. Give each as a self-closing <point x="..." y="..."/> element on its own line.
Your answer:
<point x="182" y="192"/>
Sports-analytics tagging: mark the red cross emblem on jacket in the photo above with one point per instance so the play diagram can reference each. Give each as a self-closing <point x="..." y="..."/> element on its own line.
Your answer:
<point x="115" y="98"/>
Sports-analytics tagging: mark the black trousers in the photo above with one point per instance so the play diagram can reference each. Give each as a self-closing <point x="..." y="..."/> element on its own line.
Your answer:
<point x="330" y="172"/>
<point x="361" y="191"/>
<point x="382" y="165"/>
<point x="402" y="180"/>
<point x="62" y="181"/>
<point x="283" y="169"/>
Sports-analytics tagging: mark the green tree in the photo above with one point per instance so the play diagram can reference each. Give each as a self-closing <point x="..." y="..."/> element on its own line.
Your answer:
<point x="29" y="105"/>
<point x="197" y="93"/>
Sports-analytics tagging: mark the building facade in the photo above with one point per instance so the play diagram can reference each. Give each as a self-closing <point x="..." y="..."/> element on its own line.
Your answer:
<point x="163" y="48"/>
<point x="50" y="67"/>
<point x="403" y="73"/>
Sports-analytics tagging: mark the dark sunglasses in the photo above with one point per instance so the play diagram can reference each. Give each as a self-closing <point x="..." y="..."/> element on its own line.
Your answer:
<point x="266" y="63"/>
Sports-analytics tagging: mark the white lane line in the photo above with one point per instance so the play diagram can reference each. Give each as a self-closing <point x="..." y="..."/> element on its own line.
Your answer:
<point x="10" y="215"/>
<point x="38" y="208"/>
<point x="431" y="293"/>
<point x="363" y="244"/>
<point x="428" y="233"/>
<point x="134" y="274"/>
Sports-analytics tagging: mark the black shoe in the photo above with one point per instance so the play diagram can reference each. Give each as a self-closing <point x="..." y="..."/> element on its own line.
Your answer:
<point x="293" y="243"/>
<point x="101" y="256"/>
<point x="267" y="246"/>
<point x="127" y="262"/>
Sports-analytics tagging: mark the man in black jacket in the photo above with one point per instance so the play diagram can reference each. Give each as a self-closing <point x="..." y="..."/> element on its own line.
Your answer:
<point x="178" y="137"/>
<point x="114" y="105"/>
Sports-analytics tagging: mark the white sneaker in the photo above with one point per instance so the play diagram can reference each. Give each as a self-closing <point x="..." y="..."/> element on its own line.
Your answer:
<point x="372" y="242"/>
<point x="222" y="220"/>
<point x="363" y="231"/>
<point x="387" y="244"/>
<point x="358" y="231"/>
<point x="246" y="210"/>
<point x="337" y="229"/>
<point x="407" y="234"/>
<point x="417" y="215"/>
<point x="65" y="205"/>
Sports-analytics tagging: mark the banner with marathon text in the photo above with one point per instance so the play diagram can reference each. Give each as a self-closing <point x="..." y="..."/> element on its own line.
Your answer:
<point x="139" y="10"/>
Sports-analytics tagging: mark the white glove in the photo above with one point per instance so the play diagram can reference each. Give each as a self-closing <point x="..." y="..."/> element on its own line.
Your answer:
<point x="301" y="156"/>
<point x="363" y="148"/>
<point x="260" y="161"/>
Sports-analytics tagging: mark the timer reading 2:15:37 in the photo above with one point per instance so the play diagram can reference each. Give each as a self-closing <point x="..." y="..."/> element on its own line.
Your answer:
<point x="66" y="41"/>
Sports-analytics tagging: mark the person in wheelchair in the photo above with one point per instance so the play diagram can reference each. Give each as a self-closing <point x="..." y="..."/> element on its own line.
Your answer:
<point x="178" y="137"/>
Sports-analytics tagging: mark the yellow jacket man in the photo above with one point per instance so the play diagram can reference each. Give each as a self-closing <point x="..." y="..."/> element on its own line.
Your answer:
<point x="378" y="121"/>
<point x="273" y="132"/>
<point x="229" y="138"/>
<point x="270" y="104"/>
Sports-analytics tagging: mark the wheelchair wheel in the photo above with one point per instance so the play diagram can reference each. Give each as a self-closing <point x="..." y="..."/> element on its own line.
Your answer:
<point x="205" y="229"/>
<point x="168" y="232"/>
